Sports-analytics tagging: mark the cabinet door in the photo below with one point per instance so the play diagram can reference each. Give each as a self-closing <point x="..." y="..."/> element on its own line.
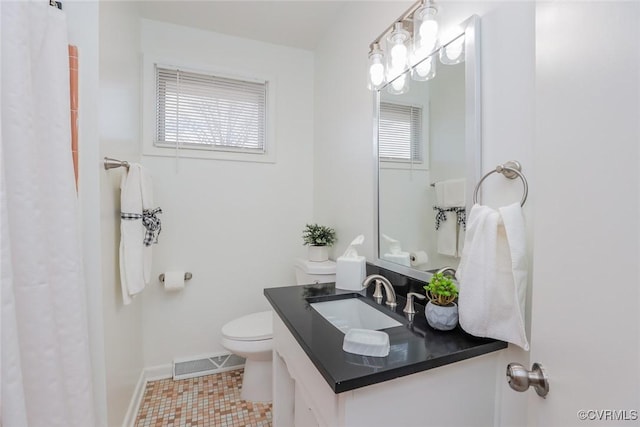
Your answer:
<point x="309" y="384"/>
<point x="303" y="414"/>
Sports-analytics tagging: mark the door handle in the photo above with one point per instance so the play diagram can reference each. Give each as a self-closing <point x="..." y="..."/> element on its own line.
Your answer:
<point x="520" y="379"/>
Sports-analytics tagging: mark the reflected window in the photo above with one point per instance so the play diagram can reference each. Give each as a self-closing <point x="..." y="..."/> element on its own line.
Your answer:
<point x="400" y="132"/>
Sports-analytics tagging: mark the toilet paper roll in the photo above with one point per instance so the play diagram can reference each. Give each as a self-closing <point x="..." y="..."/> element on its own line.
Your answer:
<point x="418" y="258"/>
<point x="173" y="280"/>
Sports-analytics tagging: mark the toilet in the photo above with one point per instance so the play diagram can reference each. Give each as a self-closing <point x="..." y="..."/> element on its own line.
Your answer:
<point x="309" y="272"/>
<point x="251" y="336"/>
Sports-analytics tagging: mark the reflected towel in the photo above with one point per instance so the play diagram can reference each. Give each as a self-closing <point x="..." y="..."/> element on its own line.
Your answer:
<point x="450" y="193"/>
<point x="447" y="235"/>
<point x="493" y="275"/>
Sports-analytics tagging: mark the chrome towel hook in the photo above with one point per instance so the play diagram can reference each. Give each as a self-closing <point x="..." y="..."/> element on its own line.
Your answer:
<point x="512" y="170"/>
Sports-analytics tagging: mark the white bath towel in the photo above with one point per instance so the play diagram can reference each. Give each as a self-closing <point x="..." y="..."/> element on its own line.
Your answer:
<point x="450" y="193"/>
<point x="493" y="275"/>
<point x="447" y="243"/>
<point x="132" y="233"/>
<point x="146" y="188"/>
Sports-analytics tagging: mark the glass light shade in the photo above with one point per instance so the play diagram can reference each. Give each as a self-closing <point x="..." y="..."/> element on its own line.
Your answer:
<point x="397" y="52"/>
<point x="400" y="85"/>
<point x="425" y="31"/>
<point x="376" y="68"/>
<point x="425" y="70"/>
<point x="453" y="53"/>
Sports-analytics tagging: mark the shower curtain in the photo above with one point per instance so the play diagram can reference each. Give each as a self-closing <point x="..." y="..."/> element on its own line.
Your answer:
<point x="44" y="351"/>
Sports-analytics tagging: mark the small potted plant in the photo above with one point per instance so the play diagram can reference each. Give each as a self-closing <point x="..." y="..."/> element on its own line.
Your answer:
<point x="319" y="238"/>
<point x="441" y="311"/>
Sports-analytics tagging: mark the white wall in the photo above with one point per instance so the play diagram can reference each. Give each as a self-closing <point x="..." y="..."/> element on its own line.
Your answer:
<point x="118" y="103"/>
<point x="343" y="147"/>
<point x="235" y="225"/>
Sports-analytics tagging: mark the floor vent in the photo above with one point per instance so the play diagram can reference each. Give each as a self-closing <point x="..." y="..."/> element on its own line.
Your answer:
<point x="209" y="365"/>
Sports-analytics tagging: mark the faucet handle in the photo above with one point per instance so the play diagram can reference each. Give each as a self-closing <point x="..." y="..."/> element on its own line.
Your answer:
<point x="377" y="293"/>
<point x="408" y="308"/>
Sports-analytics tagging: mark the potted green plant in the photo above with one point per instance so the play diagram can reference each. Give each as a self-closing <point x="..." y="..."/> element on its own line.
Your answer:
<point x="441" y="310"/>
<point x="319" y="238"/>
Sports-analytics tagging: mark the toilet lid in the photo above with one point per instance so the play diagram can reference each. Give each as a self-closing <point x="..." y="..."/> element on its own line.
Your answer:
<point x="252" y="327"/>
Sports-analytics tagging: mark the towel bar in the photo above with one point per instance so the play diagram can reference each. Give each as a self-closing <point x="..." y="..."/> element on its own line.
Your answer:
<point x="187" y="276"/>
<point x="511" y="170"/>
<point x="110" y="163"/>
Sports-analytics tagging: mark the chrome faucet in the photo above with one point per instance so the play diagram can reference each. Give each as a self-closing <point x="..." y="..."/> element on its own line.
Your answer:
<point x="445" y="270"/>
<point x="388" y="289"/>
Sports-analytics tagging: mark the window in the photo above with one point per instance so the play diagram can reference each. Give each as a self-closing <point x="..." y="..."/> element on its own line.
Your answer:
<point x="400" y="133"/>
<point x="199" y="111"/>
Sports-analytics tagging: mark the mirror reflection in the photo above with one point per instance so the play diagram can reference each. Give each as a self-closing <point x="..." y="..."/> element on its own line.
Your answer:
<point x="425" y="161"/>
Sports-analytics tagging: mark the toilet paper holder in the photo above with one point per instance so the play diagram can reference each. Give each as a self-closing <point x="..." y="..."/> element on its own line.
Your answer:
<point x="187" y="276"/>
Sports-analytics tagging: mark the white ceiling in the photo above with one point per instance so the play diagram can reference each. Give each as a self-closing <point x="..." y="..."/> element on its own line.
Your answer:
<point x="299" y="24"/>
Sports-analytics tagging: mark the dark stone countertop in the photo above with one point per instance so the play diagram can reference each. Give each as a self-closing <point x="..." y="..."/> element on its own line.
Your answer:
<point x="415" y="346"/>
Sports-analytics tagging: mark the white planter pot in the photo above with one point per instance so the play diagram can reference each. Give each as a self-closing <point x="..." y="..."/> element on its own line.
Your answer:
<point x="318" y="253"/>
<point x="441" y="318"/>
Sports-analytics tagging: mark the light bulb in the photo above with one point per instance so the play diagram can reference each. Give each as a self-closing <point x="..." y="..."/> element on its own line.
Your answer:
<point x="428" y="34"/>
<point x="454" y="50"/>
<point x="423" y="68"/>
<point x="398" y="84"/>
<point x="453" y="53"/>
<point x="425" y="30"/>
<point x="376" y="67"/>
<point x="398" y="55"/>
<point x="398" y="52"/>
<point x="376" y="74"/>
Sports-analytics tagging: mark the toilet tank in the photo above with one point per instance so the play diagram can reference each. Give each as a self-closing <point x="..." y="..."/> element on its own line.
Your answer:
<point x="308" y="272"/>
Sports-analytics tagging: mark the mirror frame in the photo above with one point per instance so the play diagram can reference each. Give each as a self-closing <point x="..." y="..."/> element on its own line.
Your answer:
<point x="473" y="138"/>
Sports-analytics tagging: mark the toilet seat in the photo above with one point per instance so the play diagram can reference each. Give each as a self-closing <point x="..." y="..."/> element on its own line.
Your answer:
<point x="252" y="327"/>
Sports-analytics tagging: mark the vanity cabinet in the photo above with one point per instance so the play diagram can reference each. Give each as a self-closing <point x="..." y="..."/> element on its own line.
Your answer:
<point x="460" y="393"/>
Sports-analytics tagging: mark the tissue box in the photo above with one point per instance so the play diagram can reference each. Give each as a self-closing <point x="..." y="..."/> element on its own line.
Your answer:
<point x="350" y="273"/>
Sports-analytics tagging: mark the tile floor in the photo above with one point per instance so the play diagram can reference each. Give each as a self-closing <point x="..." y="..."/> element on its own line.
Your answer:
<point x="212" y="400"/>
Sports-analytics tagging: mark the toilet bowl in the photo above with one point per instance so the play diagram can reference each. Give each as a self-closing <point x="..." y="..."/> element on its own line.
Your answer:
<point x="251" y="337"/>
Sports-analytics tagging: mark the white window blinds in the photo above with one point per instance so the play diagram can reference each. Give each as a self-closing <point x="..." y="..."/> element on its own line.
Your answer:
<point x="201" y="110"/>
<point x="400" y="132"/>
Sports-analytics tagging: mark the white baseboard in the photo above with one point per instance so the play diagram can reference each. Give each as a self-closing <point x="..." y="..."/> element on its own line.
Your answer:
<point x="134" y="405"/>
<point x="158" y="372"/>
<point x="152" y="373"/>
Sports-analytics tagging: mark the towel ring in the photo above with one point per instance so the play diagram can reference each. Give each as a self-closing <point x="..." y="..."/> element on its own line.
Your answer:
<point x="510" y="170"/>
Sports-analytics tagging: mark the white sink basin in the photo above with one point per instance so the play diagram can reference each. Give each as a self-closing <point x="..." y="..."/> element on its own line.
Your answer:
<point x="350" y="313"/>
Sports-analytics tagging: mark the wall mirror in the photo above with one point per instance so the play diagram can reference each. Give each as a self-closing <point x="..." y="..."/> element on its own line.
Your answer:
<point x="428" y="145"/>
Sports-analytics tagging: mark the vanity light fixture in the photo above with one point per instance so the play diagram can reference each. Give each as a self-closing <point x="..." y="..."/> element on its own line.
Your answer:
<point x="425" y="31"/>
<point x="398" y="59"/>
<point x="376" y="67"/>
<point x="388" y="63"/>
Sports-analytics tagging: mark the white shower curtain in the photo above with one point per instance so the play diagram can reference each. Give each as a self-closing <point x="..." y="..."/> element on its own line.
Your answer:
<point x="45" y="365"/>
